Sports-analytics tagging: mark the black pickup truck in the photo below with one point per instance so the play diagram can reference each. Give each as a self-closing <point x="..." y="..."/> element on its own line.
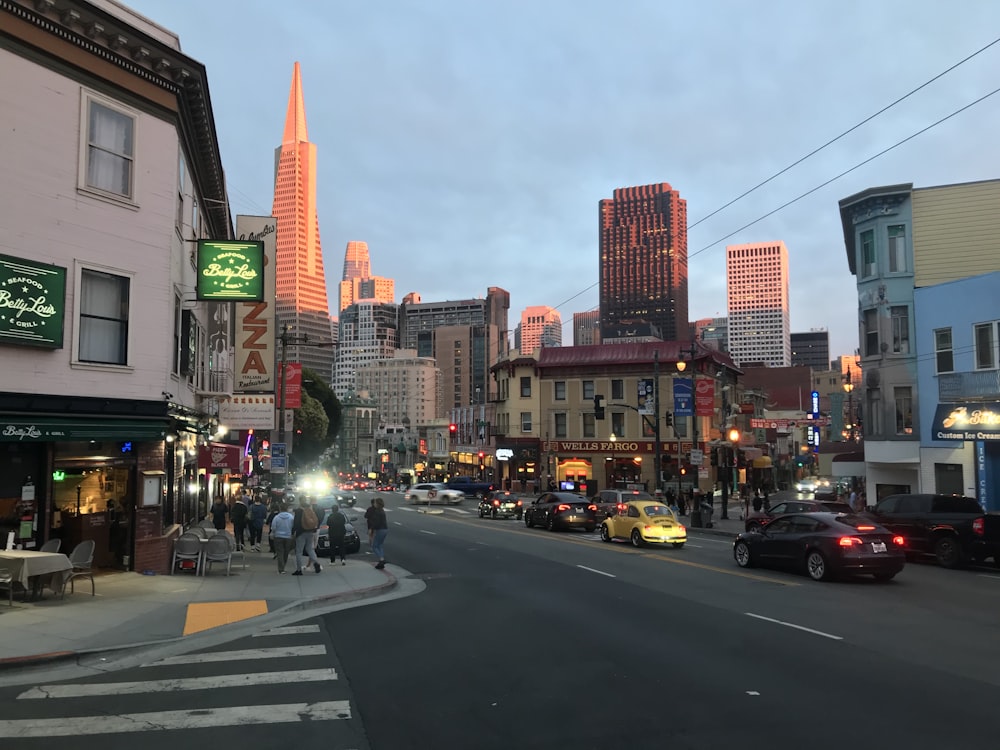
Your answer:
<point x="952" y="528"/>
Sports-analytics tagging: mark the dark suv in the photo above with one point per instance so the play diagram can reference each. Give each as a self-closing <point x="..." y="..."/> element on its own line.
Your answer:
<point x="952" y="528"/>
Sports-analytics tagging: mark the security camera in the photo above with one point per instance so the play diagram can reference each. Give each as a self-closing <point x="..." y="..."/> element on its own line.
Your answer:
<point x="166" y="395"/>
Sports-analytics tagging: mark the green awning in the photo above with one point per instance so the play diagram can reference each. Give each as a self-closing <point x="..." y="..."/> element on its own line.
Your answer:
<point x="57" y="429"/>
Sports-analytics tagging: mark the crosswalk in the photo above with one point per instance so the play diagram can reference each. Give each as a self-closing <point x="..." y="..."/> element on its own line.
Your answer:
<point x="253" y="687"/>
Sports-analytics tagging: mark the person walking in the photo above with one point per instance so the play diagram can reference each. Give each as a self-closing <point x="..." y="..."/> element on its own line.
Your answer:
<point x="219" y="512"/>
<point x="368" y="521"/>
<point x="304" y="528"/>
<point x="258" y="515"/>
<point x="336" y="524"/>
<point x="281" y="528"/>
<point x="379" y="528"/>
<point x="238" y="514"/>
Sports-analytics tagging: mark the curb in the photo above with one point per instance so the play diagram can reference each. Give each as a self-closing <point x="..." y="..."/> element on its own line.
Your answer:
<point x="53" y="657"/>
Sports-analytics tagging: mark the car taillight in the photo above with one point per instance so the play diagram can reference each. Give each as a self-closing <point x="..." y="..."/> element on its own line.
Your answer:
<point x="591" y="507"/>
<point x="518" y="503"/>
<point x="866" y="528"/>
<point x="898" y="540"/>
<point x="849" y="541"/>
<point x="561" y="507"/>
<point x="979" y="526"/>
<point x="621" y="507"/>
<point x="496" y="502"/>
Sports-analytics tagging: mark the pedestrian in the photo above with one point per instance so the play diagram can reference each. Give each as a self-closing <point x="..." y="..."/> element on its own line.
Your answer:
<point x="757" y="500"/>
<point x="380" y="528"/>
<point x="219" y="511"/>
<point x="258" y="515"/>
<point x="368" y="521"/>
<point x="336" y="524"/>
<point x="238" y="513"/>
<point x="274" y="509"/>
<point x="303" y="528"/>
<point x="767" y="502"/>
<point x="281" y="531"/>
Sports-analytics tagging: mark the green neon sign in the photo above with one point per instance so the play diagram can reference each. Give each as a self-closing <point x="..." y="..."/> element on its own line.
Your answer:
<point x="230" y="270"/>
<point x="32" y="303"/>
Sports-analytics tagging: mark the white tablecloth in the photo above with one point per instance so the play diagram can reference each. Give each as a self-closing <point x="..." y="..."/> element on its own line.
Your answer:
<point x="24" y="564"/>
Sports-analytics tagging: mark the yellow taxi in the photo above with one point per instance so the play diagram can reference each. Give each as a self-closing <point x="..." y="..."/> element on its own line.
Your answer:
<point x="644" y="522"/>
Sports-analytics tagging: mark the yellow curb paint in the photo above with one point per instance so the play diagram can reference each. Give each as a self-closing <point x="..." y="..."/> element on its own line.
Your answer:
<point x="207" y="615"/>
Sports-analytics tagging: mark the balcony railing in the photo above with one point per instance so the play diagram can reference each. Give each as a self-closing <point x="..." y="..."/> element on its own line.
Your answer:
<point x="960" y="386"/>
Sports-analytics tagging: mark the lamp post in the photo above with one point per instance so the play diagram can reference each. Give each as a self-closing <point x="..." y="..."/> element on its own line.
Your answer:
<point x="681" y="367"/>
<point x="657" y="466"/>
<point x="614" y="439"/>
<point x="849" y="388"/>
<point x="733" y="436"/>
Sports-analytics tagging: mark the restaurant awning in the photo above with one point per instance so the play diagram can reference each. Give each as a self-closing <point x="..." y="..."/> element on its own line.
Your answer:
<point x="219" y="458"/>
<point x="762" y="462"/>
<point x="59" y="429"/>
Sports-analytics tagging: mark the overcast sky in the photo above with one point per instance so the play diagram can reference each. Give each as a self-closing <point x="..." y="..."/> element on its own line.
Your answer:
<point x="468" y="142"/>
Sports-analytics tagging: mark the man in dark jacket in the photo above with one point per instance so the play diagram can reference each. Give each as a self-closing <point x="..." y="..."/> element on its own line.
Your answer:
<point x="238" y="515"/>
<point x="336" y="524"/>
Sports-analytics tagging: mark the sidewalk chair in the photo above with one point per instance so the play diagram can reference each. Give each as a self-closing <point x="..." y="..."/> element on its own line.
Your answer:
<point x="52" y="545"/>
<point x="199" y="531"/>
<point x="187" y="547"/>
<point x="7" y="582"/>
<point x="206" y="523"/>
<point x="217" y="549"/>
<point x="82" y="559"/>
<point x="232" y="546"/>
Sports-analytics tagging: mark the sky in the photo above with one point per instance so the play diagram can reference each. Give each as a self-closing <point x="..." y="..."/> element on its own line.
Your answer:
<point x="468" y="143"/>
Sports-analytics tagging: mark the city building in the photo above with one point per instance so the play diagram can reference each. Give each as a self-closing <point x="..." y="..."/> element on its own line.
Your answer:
<point x="811" y="349"/>
<point x="357" y="261"/>
<point x="712" y="332"/>
<point x="900" y="239"/>
<point x="539" y="326"/>
<point x="586" y="328"/>
<point x="358" y="282"/>
<point x="113" y="368"/>
<point x="369" y="332"/>
<point x="301" y="298"/>
<point x="643" y="262"/>
<point x="757" y="303"/>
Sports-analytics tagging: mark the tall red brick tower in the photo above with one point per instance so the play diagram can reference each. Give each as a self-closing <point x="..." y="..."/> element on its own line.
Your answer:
<point x="301" y="298"/>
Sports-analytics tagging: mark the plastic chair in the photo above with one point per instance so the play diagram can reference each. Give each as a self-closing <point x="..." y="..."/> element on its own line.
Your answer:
<point x="187" y="547"/>
<point x="199" y="531"/>
<point x="7" y="582"/>
<point x="52" y="545"/>
<point x="217" y="549"/>
<point x="82" y="558"/>
<point x="232" y="546"/>
<point x="206" y="523"/>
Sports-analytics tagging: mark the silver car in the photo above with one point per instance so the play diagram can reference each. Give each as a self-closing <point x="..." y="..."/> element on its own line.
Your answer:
<point x="433" y="493"/>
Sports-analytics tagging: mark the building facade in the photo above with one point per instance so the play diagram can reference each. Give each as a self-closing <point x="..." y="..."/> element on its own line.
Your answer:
<point x="540" y="326"/>
<point x="643" y="261"/>
<point x="712" y="332"/>
<point x="301" y="297"/>
<point x="586" y="328"/>
<point x="369" y="332"/>
<point x="757" y="302"/>
<point x="811" y="349"/>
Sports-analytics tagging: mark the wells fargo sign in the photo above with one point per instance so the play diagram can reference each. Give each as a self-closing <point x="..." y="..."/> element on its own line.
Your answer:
<point x="255" y="325"/>
<point x="230" y="270"/>
<point x="32" y="302"/>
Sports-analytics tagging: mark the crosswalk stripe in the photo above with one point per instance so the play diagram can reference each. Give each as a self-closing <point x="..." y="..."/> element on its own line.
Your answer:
<point x="286" y="713"/>
<point x="459" y="510"/>
<point x="288" y="630"/>
<point x="249" y="653"/>
<point x="82" y="690"/>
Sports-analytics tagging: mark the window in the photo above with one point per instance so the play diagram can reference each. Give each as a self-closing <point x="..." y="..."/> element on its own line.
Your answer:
<point x="589" y="425"/>
<point x="868" y="253"/>
<point x="943" y="350"/>
<point x="180" y="194"/>
<point x="618" y="425"/>
<point x="103" y="318"/>
<point x="526" y="387"/>
<point x="525" y="421"/>
<point x="900" y="317"/>
<point x="897" y="248"/>
<point x="560" y="424"/>
<point x="110" y="148"/>
<point x="617" y="389"/>
<point x="588" y="390"/>
<point x="904" y="410"/>
<point x="871" y="333"/>
<point x="986" y="344"/>
<point x="560" y="390"/>
<point x="177" y="336"/>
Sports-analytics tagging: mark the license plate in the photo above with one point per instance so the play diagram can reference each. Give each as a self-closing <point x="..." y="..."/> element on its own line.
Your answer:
<point x="878" y="546"/>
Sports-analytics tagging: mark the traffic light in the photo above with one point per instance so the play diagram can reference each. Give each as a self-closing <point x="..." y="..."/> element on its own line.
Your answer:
<point x="684" y="470"/>
<point x="481" y="456"/>
<point x="668" y="419"/>
<point x="453" y="430"/>
<point x="598" y="407"/>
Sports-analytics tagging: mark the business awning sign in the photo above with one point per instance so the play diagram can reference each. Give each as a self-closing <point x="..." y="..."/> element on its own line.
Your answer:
<point x="967" y="421"/>
<point x="32" y="302"/>
<point x="230" y="270"/>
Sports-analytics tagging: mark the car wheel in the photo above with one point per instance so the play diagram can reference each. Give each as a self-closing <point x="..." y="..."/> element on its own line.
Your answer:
<point x="605" y="533"/>
<point x="527" y="520"/>
<point x="636" y="538"/>
<point x="816" y="566"/>
<point x="481" y="514"/>
<point x="742" y="555"/>
<point x="494" y="514"/>
<point x="753" y="527"/>
<point x="947" y="552"/>
<point x="884" y="577"/>
<point x="550" y="523"/>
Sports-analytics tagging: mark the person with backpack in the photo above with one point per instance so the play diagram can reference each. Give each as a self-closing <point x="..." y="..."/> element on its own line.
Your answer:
<point x="304" y="528"/>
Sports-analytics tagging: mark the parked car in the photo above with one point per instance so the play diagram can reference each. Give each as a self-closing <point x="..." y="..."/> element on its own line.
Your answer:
<point x="608" y="501"/>
<point x="436" y="493"/>
<point x="644" y="522"/>
<point x="501" y="504"/>
<point x="757" y="519"/>
<point x="470" y="487"/>
<point x="340" y="499"/>
<point x="823" y="545"/>
<point x="807" y="484"/>
<point x="352" y="542"/>
<point x="952" y="528"/>
<point x="561" y="510"/>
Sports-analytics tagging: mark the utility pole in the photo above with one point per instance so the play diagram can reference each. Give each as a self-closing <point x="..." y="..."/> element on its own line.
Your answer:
<point x="657" y="468"/>
<point x="724" y="455"/>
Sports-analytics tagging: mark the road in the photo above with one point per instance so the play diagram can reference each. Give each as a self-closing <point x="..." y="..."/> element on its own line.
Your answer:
<point x="531" y="639"/>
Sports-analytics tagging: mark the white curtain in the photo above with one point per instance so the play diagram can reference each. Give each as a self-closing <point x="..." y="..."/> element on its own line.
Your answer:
<point x="109" y="155"/>
<point x="103" y="317"/>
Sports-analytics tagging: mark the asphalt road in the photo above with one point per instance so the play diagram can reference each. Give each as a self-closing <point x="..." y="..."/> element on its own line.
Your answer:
<point x="525" y="638"/>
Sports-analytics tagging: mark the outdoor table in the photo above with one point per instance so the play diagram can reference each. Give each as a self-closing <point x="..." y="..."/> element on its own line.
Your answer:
<point x="32" y="569"/>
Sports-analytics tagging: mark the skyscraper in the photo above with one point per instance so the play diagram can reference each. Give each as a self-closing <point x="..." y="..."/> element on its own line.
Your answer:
<point x="643" y="265"/>
<point x="587" y="328"/>
<point x="540" y="326"/>
<point x="357" y="262"/>
<point x="358" y="282"/>
<point x="301" y="299"/>
<point x="811" y="349"/>
<point x="757" y="300"/>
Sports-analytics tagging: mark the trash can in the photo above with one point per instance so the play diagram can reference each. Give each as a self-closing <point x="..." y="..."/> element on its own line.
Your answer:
<point x="706" y="514"/>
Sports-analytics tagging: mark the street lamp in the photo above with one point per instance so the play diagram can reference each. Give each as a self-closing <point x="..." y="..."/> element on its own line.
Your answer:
<point x="614" y="439"/>
<point x="681" y="367"/>
<point x="849" y="388"/>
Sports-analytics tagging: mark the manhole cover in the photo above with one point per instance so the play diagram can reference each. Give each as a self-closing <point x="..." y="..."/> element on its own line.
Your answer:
<point x="429" y="576"/>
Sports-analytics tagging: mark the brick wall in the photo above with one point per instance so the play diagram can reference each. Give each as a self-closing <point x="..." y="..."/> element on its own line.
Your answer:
<point x="154" y="552"/>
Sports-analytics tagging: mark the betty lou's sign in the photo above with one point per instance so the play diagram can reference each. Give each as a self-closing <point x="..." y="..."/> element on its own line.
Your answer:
<point x="32" y="302"/>
<point x="230" y="270"/>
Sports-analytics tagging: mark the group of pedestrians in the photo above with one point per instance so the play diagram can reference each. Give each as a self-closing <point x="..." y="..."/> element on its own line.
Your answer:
<point x="249" y="515"/>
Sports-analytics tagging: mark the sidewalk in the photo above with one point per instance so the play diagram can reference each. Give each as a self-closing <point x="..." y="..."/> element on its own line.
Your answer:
<point x="131" y="609"/>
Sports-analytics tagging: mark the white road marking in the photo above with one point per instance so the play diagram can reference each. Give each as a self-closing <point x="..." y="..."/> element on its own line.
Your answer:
<point x="728" y="542"/>
<point x="460" y="510"/>
<point x="793" y="625"/>
<point x="286" y="713"/>
<point x="595" y="570"/>
<point x="404" y="507"/>
<point x="288" y="630"/>
<point x="987" y="575"/>
<point x="752" y="692"/>
<point x="250" y="653"/>
<point x="397" y="523"/>
<point x="179" y="684"/>
<point x="424" y="531"/>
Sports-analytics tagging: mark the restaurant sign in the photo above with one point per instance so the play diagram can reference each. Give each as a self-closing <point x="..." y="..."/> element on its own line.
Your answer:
<point x="32" y="302"/>
<point x="230" y="270"/>
<point x="968" y="421"/>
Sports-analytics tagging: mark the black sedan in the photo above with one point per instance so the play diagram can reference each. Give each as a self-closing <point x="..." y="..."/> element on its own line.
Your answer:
<point x="501" y="504"/>
<point x="352" y="542"/>
<point x="561" y="510"/>
<point x="823" y="545"/>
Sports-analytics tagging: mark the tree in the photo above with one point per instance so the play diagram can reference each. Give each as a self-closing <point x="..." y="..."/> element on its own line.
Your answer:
<point x="311" y="428"/>
<point x="319" y="389"/>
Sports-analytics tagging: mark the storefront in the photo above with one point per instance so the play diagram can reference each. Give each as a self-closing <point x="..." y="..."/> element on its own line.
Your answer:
<point x="517" y="463"/>
<point x="977" y="424"/>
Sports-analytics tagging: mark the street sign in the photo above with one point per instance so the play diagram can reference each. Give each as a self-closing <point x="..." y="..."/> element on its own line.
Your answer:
<point x="697" y="456"/>
<point x="279" y="465"/>
<point x="278" y="450"/>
